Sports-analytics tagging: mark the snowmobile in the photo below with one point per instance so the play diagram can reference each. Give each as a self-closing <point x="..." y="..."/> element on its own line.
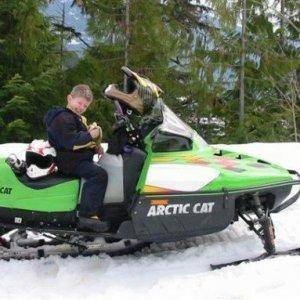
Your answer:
<point x="165" y="184"/>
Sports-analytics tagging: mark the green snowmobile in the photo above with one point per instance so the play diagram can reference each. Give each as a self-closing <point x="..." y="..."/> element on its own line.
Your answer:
<point x="165" y="184"/>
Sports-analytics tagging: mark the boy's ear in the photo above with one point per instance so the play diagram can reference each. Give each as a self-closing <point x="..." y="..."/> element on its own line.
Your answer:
<point x="69" y="98"/>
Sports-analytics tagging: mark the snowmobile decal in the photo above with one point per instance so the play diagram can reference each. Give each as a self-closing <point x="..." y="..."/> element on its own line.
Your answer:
<point x="155" y="189"/>
<point x="186" y="158"/>
<point x="160" y="202"/>
<point x="176" y="177"/>
<point x="233" y="169"/>
<point x="5" y="190"/>
<point x="178" y="209"/>
<point x="258" y="165"/>
<point x="224" y="162"/>
<point x="229" y="164"/>
<point x="18" y="220"/>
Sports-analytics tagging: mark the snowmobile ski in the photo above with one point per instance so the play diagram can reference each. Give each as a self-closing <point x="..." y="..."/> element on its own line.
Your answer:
<point x="291" y="252"/>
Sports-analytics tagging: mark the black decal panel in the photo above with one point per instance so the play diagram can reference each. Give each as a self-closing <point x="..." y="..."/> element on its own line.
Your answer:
<point x="179" y="216"/>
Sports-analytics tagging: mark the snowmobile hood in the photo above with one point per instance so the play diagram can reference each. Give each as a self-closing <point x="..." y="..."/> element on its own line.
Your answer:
<point x="52" y="113"/>
<point x="239" y="171"/>
<point x="230" y="170"/>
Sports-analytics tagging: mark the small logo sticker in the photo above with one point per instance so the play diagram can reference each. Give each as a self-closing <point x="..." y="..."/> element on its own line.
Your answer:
<point x="18" y="220"/>
<point x="5" y="190"/>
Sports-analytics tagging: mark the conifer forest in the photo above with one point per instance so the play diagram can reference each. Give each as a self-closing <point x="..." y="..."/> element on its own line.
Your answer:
<point x="230" y="69"/>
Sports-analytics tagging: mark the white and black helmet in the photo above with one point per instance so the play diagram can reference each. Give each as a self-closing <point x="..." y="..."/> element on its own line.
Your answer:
<point x="40" y="159"/>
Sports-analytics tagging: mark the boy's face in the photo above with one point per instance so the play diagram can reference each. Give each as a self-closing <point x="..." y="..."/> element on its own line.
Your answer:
<point x="78" y="104"/>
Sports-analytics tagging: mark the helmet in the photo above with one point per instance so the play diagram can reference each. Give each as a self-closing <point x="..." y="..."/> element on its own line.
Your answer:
<point x="18" y="165"/>
<point x="40" y="158"/>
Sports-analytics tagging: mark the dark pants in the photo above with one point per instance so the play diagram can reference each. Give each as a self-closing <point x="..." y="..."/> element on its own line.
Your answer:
<point x="94" y="188"/>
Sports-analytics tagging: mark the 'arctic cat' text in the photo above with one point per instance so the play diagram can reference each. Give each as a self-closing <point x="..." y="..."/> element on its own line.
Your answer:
<point x="5" y="190"/>
<point x="174" y="209"/>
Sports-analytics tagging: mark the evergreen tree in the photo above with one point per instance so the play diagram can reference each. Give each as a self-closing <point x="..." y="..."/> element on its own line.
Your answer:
<point x="29" y="74"/>
<point x="151" y="46"/>
<point x="191" y="50"/>
<point x="267" y="71"/>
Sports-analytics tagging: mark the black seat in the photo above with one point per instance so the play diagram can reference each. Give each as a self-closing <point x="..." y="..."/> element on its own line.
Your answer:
<point x="45" y="182"/>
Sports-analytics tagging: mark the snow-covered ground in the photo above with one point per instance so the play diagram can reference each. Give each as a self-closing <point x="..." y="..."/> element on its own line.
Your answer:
<point x="174" y="270"/>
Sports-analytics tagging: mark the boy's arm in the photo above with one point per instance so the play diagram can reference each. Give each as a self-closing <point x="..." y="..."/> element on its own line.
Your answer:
<point x="64" y="129"/>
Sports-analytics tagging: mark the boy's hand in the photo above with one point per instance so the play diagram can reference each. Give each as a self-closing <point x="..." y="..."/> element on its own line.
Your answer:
<point x="92" y="126"/>
<point x="95" y="132"/>
<point x="100" y="150"/>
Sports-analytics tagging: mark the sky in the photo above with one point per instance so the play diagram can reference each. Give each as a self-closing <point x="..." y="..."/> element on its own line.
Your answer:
<point x="73" y="18"/>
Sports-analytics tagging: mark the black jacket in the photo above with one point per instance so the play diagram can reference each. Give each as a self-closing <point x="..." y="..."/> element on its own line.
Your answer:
<point x="70" y="137"/>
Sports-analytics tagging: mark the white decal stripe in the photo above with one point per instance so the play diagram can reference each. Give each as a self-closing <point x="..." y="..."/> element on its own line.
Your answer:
<point x="180" y="177"/>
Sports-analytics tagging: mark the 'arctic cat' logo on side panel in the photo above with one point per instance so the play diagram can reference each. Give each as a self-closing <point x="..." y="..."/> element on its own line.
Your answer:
<point x="5" y="190"/>
<point x="177" y="209"/>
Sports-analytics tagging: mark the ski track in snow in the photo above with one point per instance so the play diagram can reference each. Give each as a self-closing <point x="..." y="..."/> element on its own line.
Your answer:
<point x="173" y="270"/>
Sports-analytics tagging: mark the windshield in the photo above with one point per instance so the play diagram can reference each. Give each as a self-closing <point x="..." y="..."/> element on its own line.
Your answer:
<point x="174" y="125"/>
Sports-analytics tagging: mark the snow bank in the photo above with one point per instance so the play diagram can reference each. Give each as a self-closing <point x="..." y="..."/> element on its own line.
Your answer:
<point x="174" y="270"/>
<point x="16" y="148"/>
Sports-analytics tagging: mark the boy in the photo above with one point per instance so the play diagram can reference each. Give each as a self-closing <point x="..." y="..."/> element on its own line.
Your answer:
<point x="76" y="143"/>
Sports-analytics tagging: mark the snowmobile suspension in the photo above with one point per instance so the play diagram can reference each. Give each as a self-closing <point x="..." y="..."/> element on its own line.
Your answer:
<point x="262" y="224"/>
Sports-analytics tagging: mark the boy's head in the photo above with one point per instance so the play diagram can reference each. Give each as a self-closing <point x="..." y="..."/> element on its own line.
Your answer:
<point x="80" y="98"/>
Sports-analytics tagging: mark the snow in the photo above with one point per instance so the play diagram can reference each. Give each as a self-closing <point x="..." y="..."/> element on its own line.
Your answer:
<point x="13" y="148"/>
<point x="173" y="270"/>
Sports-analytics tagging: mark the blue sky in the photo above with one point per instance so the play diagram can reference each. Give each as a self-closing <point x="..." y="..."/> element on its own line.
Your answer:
<point x="73" y="18"/>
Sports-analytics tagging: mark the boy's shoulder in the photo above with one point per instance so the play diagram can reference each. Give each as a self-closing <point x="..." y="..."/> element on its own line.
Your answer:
<point x="58" y="112"/>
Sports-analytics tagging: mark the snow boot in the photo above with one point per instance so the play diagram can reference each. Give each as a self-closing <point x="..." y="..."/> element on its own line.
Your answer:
<point x="93" y="224"/>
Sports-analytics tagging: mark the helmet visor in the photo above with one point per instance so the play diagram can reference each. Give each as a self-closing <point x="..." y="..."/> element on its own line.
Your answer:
<point x="39" y="160"/>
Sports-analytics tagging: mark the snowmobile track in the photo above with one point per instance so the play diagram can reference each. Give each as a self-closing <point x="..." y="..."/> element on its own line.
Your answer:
<point x="66" y="250"/>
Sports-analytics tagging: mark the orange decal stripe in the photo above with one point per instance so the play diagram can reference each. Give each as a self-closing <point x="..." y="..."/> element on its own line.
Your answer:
<point x="160" y="202"/>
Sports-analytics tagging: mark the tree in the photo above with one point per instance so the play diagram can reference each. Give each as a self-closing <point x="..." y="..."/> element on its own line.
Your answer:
<point x="28" y="76"/>
<point x="269" y="64"/>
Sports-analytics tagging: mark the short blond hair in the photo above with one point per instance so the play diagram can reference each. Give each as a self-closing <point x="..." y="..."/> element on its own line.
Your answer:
<point x="82" y="90"/>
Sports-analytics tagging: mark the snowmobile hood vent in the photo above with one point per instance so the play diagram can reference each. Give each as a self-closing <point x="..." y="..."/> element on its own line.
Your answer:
<point x="142" y="93"/>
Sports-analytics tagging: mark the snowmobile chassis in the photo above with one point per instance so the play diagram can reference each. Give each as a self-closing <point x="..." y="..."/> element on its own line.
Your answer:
<point x="65" y="243"/>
